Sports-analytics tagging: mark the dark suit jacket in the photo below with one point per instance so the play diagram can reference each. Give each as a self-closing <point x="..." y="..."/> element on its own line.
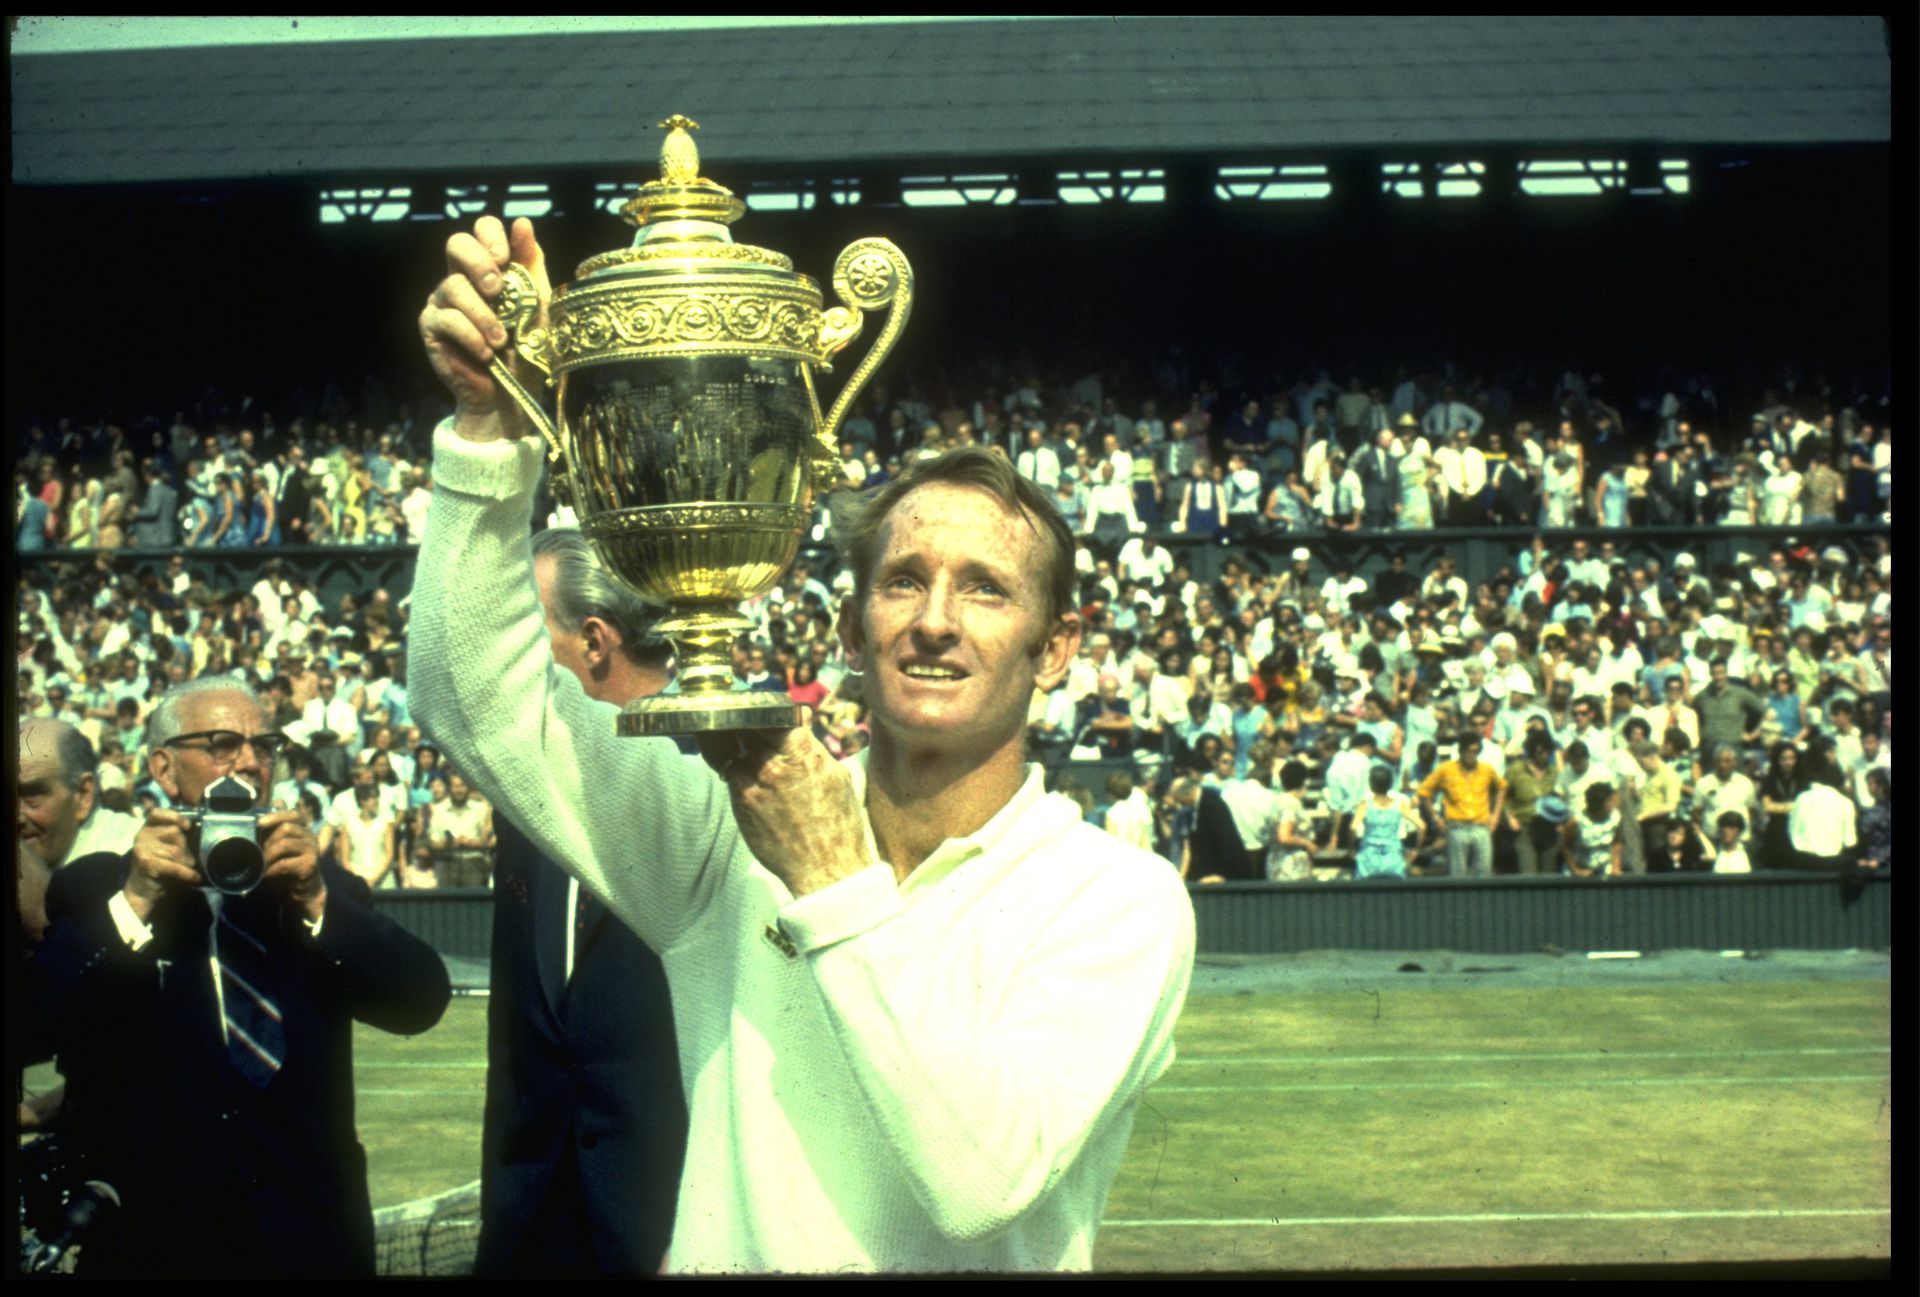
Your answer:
<point x="1379" y="486"/>
<point x="586" y="1125"/>
<point x="1672" y="489"/>
<point x="1217" y="848"/>
<point x="296" y="498"/>
<point x="155" y="526"/>
<point x="216" y="1176"/>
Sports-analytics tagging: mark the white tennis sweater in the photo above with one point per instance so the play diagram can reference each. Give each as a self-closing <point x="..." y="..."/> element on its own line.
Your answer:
<point x="933" y="1075"/>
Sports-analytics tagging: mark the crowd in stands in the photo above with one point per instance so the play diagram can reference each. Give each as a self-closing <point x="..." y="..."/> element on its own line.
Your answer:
<point x="1578" y="712"/>
<point x="229" y="482"/>
<point x="1422" y="452"/>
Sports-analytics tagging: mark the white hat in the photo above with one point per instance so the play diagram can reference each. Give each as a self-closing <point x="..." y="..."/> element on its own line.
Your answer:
<point x="1714" y="627"/>
<point x="1834" y="554"/>
<point x="1764" y="579"/>
<point x="1521" y="685"/>
<point x="1302" y="555"/>
<point x="1683" y="560"/>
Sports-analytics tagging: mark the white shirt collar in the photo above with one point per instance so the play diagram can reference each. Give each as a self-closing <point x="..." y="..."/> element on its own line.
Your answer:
<point x="954" y="852"/>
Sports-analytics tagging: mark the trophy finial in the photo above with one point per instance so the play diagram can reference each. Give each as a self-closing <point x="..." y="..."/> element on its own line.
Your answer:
<point x="680" y="194"/>
<point x="679" y="160"/>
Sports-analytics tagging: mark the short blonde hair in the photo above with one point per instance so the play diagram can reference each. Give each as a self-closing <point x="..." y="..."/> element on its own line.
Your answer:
<point x="974" y="466"/>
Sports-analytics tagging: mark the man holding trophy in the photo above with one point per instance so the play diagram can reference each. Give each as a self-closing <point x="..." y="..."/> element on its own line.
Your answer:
<point x="917" y="999"/>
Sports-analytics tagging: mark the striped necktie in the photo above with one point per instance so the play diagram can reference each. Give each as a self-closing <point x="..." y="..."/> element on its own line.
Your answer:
<point x="256" y="1034"/>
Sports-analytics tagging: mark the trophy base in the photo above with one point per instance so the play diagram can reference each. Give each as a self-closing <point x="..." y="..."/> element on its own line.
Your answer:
<point x="670" y="715"/>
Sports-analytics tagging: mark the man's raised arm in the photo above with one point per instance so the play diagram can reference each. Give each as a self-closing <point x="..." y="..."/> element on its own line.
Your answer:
<point x="641" y="827"/>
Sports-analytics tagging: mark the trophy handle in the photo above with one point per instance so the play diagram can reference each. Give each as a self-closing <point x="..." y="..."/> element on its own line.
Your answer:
<point x="516" y="305"/>
<point x="869" y="274"/>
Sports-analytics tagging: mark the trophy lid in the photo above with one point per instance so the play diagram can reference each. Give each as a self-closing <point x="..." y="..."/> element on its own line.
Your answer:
<point x="682" y="217"/>
<point x="681" y="193"/>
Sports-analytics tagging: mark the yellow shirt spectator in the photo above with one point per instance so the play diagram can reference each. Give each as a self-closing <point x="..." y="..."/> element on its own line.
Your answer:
<point x="1469" y="793"/>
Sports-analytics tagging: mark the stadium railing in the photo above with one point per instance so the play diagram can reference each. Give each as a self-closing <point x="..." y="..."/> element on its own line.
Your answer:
<point x="1478" y="553"/>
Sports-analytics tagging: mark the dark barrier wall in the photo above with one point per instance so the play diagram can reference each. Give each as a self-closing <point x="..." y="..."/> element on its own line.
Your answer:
<point x="1780" y="911"/>
<point x="1783" y="911"/>
<point x="1478" y="553"/>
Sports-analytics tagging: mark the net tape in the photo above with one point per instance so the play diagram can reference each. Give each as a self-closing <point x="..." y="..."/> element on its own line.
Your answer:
<point x="429" y="1236"/>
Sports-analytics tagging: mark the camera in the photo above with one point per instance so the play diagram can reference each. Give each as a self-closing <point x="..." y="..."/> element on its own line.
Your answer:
<point x="227" y="825"/>
<point x="60" y="1211"/>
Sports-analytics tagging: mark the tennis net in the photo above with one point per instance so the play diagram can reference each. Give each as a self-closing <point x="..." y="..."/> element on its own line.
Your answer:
<point x="429" y="1236"/>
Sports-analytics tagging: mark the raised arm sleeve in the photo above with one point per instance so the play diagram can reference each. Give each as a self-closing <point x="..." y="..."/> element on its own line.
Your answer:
<point x="642" y="827"/>
<point x="989" y="1081"/>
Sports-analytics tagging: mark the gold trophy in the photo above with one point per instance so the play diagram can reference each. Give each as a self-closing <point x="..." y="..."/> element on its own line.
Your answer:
<point x="688" y="416"/>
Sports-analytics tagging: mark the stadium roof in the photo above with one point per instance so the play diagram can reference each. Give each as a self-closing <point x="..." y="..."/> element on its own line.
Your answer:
<point x="948" y="95"/>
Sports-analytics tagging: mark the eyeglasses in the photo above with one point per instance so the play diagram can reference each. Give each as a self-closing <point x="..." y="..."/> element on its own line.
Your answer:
<point x="224" y="745"/>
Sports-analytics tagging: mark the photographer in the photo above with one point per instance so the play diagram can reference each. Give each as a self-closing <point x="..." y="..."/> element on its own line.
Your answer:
<point x="206" y="1036"/>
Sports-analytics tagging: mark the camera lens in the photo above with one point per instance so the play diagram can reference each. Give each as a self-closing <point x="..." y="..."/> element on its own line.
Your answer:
<point x="235" y="865"/>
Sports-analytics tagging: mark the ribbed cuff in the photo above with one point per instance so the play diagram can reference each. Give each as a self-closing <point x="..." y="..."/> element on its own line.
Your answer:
<point x="845" y="909"/>
<point x="492" y="470"/>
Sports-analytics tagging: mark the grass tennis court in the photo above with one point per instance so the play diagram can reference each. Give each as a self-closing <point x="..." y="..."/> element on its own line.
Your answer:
<point x="1488" y="1126"/>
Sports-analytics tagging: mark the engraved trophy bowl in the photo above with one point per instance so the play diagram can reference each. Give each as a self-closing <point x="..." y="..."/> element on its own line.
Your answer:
<point x="689" y="420"/>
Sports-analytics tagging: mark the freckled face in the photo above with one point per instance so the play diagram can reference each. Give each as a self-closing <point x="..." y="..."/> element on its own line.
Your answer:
<point x="954" y="613"/>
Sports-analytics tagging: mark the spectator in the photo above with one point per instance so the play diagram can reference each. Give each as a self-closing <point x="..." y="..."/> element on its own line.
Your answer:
<point x="1780" y="494"/>
<point x="1560" y="488"/>
<point x="1822" y="823"/>
<point x="1474" y="797"/>
<point x="367" y="838"/>
<point x="1593" y="837"/>
<point x="1536" y="838"/>
<point x="1681" y="849"/>
<point x="1876" y="821"/>
<point x="463" y="837"/>
<point x="1821" y="486"/>
<point x="1383" y="494"/>
<point x="1105" y="721"/>
<point x="1416" y="475"/>
<point x="1214" y="853"/>
<point x="1463" y="477"/>
<point x="1730" y="854"/>
<point x="1290" y="854"/>
<point x="1203" y="505"/>
<point x="1779" y="789"/>
<point x="1784" y="704"/>
<point x="1129" y="815"/>
<point x="60" y="816"/>
<point x="1379" y="827"/>
<point x="1349" y="779"/>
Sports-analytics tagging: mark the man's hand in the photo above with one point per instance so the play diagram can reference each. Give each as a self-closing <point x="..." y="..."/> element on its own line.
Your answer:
<point x="461" y="333"/>
<point x="293" y="861"/>
<point x="161" y="862"/>
<point x="794" y="804"/>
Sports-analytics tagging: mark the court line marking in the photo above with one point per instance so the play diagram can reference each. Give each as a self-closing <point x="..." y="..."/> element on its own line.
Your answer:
<point x="1489" y="1218"/>
<point x="1564" y="1083"/>
<point x="478" y="1091"/>
<point x="1278" y="1060"/>
<point x="1369" y="1059"/>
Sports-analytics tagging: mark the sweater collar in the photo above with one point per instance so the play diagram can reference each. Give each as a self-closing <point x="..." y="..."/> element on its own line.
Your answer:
<point x="1037" y="814"/>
